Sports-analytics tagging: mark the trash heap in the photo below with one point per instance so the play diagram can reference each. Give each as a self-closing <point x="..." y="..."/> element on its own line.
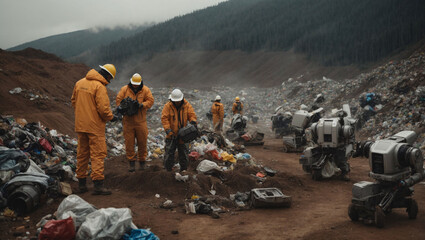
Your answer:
<point x="215" y="156"/>
<point x="400" y="85"/>
<point x="34" y="160"/>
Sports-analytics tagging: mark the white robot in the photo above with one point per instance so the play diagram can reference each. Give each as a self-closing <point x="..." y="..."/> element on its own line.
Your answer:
<point x="334" y="143"/>
<point x="300" y="122"/>
<point x="396" y="166"/>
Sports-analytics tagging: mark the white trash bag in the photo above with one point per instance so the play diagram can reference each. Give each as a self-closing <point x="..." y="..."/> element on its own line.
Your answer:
<point x="75" y="207"/>
<point x="330" y="169"/>
<point x="106" y="223"/>
<point x="206" y="166"/>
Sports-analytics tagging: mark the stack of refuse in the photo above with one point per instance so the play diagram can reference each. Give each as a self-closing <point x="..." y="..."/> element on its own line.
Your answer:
<point x="116" y="145"/>
<point x="212" y="149"/>
<point x="33" y="161"/>
<point x="78" y="219"/>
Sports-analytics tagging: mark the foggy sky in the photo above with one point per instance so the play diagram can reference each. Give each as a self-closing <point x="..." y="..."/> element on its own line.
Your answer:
<point x="22" y="21"/>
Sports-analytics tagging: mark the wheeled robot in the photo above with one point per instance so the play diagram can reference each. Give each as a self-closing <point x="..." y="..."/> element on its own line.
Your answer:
<point x="395" y="166"/>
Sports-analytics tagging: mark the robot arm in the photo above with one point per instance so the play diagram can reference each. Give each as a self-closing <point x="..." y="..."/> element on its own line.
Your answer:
<point x="416" y="164"/>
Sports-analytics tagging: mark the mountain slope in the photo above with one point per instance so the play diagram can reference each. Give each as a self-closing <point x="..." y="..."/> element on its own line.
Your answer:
<point x="332" y="31"/>
<point x="46" y="82"/>
<point x="74" y="43"/>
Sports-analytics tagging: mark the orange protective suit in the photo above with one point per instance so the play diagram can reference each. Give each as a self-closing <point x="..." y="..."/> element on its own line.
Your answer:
<point x="237" y="107"/>
<point x="217" y="110"/>
<point x="135" y="127"/>
<point x="175" y="119"/>
<point x="92" y="110"/>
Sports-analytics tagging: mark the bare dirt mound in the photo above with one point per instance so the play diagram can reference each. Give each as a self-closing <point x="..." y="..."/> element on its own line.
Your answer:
<point x="46" y="82"/>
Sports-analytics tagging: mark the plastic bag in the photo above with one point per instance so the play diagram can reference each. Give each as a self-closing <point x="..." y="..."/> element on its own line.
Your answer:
<point x="58" y="229"/>
<point x="210" y="147"/>
<point x="246" y="137"/>
<point x="141" y="234"/>
<point x="329" y="169"/>
<point x="206" y="166"/>
<point x="214" y="153"/>
<point x="106" y="223"/>
<point x="228" y="157"/>
<point x="77" y="206"/>
<point x="194" y="155"/>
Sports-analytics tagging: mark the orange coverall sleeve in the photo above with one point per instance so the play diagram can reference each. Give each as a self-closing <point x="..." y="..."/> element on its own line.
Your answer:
<point x="165" y="117"/>
<point x="73" y="98"/>
<point x="191" y="115"/>
<point x="120" y="96"/>
<point x="103" y="104"/>
<point x="149" y="100"/>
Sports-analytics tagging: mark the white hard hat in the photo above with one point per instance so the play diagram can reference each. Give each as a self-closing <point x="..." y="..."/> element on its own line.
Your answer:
<point x="176" y="95"/>
<point x="217" y="97"/>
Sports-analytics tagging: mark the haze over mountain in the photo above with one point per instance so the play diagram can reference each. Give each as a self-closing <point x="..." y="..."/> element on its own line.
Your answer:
<point x="257" y="42"/>
<point x="71" y="44"/>
<point x="333" y="31"/>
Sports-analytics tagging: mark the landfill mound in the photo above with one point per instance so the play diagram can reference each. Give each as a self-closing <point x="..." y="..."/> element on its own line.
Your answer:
<point x="38" y="86"/>
<point x="156" y="180"/>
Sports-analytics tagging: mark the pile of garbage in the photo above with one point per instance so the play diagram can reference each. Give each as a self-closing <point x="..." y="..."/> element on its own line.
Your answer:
<point x="34" y="160"/>
<point x="77" y="219"/>
<point x="385" y="100"/>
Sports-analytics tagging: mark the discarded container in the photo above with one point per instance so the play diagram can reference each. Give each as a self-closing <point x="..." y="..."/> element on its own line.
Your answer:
<point x="45" y="144"/>
<point x="188" y="133"/>
<point x="24" y="198"/>
<point x="269" y="197"/>
<point x="65" y="188"/>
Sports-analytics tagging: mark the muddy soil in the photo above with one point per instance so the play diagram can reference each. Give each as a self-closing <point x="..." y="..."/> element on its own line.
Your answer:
<point x="318" y="211"/>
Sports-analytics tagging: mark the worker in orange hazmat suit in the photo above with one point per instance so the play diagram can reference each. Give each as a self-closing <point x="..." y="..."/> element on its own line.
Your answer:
<point x="176" y="114"/>
<point x="92" y="110"/>
<point x="134" y="122"/>
<point x="217" y="110"/>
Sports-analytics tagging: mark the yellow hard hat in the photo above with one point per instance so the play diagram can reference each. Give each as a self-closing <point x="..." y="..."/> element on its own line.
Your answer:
<point x="136" y="79"/>
<point x="110" y="68"/>
<point x="236" y="98"/>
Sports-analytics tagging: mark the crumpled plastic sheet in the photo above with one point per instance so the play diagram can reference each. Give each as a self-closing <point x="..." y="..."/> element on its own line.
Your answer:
<point x="140" y="234"/>
<point x="76" y="207"/>
<point x="106" y="223"/>
<point x="206" y="166"/>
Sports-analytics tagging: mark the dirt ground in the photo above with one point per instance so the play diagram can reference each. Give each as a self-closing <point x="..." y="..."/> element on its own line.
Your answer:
<point x="318" y="211"/>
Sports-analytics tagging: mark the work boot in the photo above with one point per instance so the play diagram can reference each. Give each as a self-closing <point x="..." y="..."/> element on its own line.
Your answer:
<point x="99" y="189"/>
<point x="142" y="165"/>
<point x="82" y="188"/>
<point x="132" y="166"/>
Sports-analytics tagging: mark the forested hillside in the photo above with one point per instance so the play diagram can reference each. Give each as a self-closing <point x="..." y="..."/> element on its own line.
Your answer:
<point x="336" y="32"/>
<point x="74" y="43"/>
